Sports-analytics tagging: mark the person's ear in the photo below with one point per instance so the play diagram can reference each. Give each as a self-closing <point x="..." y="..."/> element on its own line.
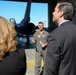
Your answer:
<point x="38" y="26"/>
<point x="61" y="13"/>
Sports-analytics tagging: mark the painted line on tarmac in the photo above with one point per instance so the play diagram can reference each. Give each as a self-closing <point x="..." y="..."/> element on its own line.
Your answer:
<point x="32" y="63"/>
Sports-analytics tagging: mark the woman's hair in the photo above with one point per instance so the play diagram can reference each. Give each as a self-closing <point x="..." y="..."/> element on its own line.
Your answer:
<point x="7" y="37"/>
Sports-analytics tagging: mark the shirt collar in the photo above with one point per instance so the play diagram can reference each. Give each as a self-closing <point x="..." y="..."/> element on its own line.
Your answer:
<point x="41" y="32"/>
<point x="62" y="22"/>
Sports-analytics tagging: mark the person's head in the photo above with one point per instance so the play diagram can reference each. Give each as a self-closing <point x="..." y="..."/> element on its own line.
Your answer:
<point x="7" y="36"/>
<point x="41" y="26"/>
<point x="63" y="11"/>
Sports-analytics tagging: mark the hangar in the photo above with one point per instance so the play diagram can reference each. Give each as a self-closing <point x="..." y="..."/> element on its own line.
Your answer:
<point x="51" y="5"/>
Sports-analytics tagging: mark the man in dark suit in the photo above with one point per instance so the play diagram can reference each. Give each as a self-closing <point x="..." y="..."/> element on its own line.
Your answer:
<point x="61" y="48"/>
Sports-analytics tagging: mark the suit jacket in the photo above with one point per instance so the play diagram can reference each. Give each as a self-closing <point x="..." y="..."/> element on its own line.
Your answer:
<point x="14" y="63"/>
<point x="61" y="50"/>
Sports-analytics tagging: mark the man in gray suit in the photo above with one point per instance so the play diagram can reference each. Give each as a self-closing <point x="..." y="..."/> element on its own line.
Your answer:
<point x="61" y="48"/>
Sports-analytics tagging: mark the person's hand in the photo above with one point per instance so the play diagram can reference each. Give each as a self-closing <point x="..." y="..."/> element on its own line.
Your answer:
<point x="43" y="45"/>
<point x="33" y="41"/>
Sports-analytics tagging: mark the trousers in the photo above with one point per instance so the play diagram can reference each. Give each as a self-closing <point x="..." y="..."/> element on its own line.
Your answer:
<point x="38" y="59"/>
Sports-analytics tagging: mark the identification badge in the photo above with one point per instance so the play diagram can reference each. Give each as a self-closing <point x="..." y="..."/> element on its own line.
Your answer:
<point x="39" y="36"/>
<point x="43" y="36"/>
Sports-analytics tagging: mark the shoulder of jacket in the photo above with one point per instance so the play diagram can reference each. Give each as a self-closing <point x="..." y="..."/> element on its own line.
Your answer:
<point x="21" y="52"/>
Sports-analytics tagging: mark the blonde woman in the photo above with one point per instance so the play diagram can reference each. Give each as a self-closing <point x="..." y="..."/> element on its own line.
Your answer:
<point x="12" y="60"/>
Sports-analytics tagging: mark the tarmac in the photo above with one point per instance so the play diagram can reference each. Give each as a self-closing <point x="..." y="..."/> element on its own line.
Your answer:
<point x="30" y="57"/>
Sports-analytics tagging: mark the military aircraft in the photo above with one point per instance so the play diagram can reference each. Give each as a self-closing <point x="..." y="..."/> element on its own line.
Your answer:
<point x="25" y="27"/>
